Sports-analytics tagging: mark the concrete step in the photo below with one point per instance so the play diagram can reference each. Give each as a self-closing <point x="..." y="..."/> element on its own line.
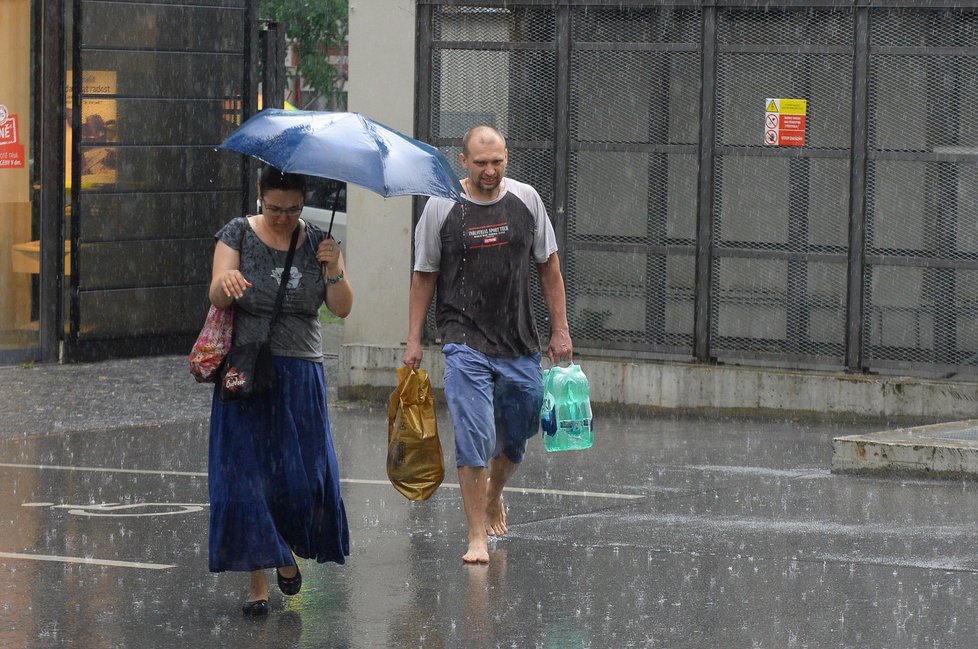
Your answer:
<point x="946" y="450"/>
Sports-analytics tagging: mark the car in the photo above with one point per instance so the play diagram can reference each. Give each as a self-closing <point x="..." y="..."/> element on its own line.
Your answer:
<point x="325" y="203"/>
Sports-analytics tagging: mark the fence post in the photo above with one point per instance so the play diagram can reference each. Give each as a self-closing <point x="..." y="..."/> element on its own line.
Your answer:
<point x="272" y="46"/>
<point x="705" y="192"/>
<point x="857" y="191"/>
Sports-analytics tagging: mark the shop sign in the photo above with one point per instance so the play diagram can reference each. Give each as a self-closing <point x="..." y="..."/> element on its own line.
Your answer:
<point x="11" y="150"/>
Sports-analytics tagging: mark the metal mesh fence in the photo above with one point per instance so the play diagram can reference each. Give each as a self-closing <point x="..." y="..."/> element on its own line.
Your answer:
<point x="631" y="220"/>
<point x="921" y="242"/>
<point x="619" y="160"/>
<point x="780" y="215"/>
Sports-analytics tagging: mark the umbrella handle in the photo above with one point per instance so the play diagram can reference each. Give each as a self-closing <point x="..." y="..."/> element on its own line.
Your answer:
<point x="336" y="196"/>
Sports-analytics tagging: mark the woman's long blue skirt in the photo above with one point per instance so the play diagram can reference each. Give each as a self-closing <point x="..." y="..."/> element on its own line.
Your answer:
<point x="273" y="476"/>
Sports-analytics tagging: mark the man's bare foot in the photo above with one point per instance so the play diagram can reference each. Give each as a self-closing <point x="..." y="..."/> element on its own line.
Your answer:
<point x="478" y="552"/>
<point x="496" y="516"/>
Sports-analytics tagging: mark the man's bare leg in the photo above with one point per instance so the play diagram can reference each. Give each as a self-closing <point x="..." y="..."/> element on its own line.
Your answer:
<point x="472" y="480"/>
<point x="501" y="469"/>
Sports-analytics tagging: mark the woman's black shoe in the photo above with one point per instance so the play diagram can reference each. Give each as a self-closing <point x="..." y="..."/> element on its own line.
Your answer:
<point x="256" y="608"/>
<point x="289" y="586"/>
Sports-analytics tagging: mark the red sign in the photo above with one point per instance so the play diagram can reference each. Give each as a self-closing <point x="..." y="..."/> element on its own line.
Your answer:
<point x="791" y="130"/>
<point x="11" y="151"/>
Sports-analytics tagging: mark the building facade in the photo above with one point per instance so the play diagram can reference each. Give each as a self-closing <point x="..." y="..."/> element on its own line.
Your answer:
<point x="111" y="185"/>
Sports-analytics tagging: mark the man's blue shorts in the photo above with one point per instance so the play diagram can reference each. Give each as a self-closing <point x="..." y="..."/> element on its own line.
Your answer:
<point x="494" y="402"/>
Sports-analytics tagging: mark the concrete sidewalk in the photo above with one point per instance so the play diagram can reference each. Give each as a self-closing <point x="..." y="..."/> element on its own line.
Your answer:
<point x="671" y="532"/>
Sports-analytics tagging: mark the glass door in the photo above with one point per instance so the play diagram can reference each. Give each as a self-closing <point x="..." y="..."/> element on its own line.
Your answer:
<point x="19" y="247"/>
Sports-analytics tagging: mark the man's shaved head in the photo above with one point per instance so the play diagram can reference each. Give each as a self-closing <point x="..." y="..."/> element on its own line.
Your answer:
<point x="484" y="134"/>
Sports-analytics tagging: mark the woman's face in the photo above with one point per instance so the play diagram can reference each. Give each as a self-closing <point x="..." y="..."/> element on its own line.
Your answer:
<point x="281" y="208"/>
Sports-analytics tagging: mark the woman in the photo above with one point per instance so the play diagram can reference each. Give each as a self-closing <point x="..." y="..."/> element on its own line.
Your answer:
<point x="273" y="475"/>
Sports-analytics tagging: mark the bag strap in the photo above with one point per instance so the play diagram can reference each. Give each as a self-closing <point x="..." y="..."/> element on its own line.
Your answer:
<point x="280" y="297"/>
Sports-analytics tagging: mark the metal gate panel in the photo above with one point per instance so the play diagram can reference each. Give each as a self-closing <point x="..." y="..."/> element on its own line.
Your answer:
<point x="631" y="212"/>
<point x="780" y="214"/>
<point x="920" y="292"/>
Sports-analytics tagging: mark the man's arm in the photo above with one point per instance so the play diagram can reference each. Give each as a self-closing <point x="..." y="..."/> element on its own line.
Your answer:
<point x="552" y="284"/>
<point x="419" y="301"/>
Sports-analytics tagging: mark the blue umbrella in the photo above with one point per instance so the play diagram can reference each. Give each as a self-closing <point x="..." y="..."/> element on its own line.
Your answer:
<point x="347" y="147"/>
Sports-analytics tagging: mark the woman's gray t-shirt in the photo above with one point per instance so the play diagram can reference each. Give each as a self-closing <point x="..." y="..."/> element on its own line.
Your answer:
<point x="297" y="333"/>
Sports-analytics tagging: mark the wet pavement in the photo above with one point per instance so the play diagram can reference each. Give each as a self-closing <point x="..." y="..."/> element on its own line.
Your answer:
<point x="671" y="532"/>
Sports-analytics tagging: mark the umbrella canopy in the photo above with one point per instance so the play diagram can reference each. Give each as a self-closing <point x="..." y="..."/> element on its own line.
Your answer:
<point x="347" y="147"/>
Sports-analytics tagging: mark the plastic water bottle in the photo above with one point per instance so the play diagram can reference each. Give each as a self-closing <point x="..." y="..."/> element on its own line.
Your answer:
<point x="567" y="422"/>
<point x="548" y="414"/>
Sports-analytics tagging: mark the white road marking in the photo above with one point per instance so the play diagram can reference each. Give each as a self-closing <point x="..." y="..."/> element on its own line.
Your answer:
<point x="86" y="560"/>
<point x="203" y="474"/>
<point x="101" y="469"/>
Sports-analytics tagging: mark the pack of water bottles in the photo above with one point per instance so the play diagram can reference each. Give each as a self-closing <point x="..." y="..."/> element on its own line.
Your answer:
<point x="565" y="416"/>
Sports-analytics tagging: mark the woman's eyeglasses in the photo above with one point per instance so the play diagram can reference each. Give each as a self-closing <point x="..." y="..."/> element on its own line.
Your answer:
<point x="275" y="210"/>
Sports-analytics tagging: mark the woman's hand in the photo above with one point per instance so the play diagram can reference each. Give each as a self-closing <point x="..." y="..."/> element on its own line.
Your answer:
<point x="330" y="256"/>
<point x="339" y="293"/>
<point x="233" y="284"/>
<point x="227" y="282"/>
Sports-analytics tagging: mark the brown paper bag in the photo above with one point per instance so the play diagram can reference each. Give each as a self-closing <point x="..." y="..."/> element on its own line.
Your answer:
<point x="414" y="461"/>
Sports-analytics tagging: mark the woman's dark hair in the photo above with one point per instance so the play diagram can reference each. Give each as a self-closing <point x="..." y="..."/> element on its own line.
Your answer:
<point x="272" y="178"/>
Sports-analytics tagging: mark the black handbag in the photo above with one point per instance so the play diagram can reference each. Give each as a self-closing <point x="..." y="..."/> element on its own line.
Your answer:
<point x="249" y="369"/>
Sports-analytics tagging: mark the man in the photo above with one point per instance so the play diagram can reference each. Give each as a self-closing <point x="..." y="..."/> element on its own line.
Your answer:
<point x="476" y="255"/>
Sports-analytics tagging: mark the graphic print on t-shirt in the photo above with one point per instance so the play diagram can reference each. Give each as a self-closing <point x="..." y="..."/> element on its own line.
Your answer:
<point x="294" y="277"/>
<point x="487" y="236"/>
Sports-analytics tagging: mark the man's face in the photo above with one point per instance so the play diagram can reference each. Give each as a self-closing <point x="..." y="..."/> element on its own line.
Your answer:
<point x="485" y="164"/>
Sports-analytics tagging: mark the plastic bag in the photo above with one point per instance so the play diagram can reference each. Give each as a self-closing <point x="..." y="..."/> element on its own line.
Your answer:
<point x="565" y="416"/>
<point x="414" y="460"/>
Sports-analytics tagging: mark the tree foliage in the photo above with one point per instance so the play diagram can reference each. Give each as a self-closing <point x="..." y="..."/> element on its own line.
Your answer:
<point x="314" y="28"/>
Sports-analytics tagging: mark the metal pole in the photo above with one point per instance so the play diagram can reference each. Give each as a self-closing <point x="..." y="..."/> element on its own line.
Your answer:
<point x="49" y="151"/>
<point x="705" y="192"/>
<point x="272" y="45"/>
<point x="562" y="133"/>
<point x="249" y="99"/>
<point x="857" y="191"/>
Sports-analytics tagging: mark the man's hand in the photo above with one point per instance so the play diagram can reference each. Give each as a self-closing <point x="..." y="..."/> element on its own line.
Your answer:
<point x="413" y="354"/>
<point x="561" y="348"/>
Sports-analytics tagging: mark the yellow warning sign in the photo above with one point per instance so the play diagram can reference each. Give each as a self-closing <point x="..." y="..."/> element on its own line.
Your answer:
<point x="793" y="106"/>
<point x="772" y="106"/>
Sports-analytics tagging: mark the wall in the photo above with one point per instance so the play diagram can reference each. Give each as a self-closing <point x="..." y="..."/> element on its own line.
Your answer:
<point x="378" y="246"/>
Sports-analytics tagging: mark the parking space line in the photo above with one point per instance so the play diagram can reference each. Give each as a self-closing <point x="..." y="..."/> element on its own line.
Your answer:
<point x="526" y="490"/>
<point x="86" y="560"/>
<point x="101" y="469"/>
<point x="203" y="474"/>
